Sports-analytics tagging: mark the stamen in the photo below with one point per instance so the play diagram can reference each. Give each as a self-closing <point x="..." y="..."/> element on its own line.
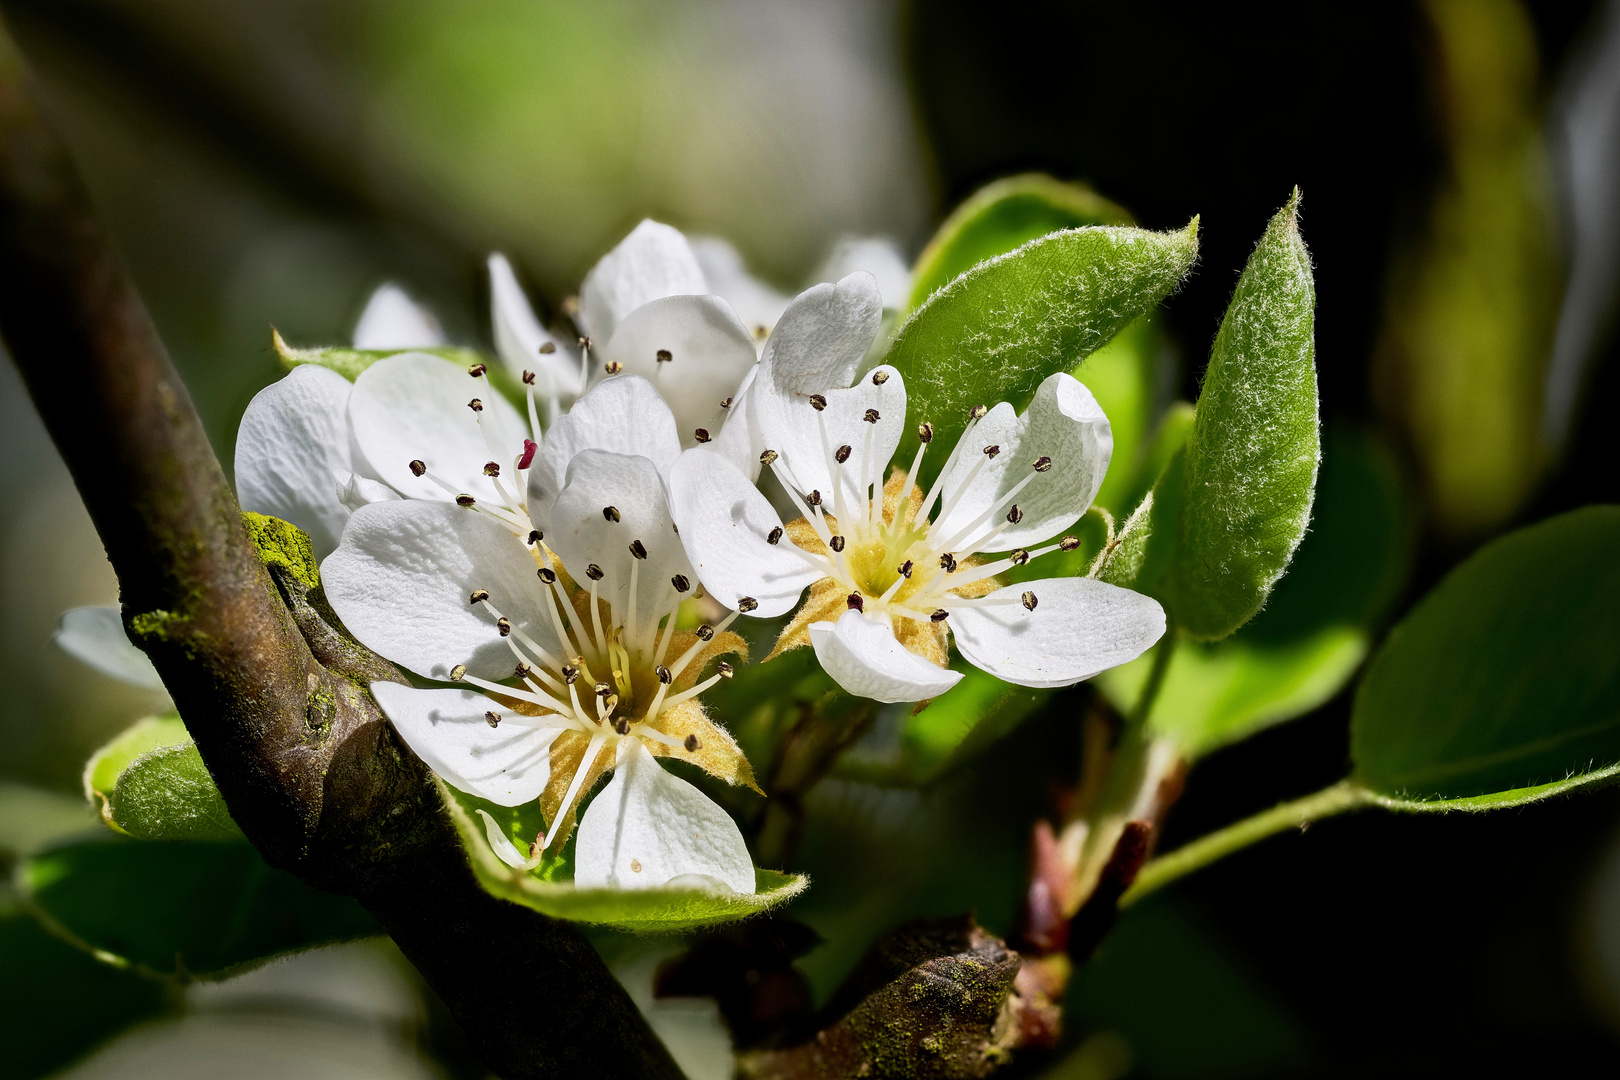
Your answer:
<point x="705" y="632"/>
<point x="725" y="403"/>
<point x="746" y="604"/>
<point x="692" y="744"/>
<point x="871" y="416"/>
<point x="465" y="501"/>
<point x="767" y="457"/>
<point x="841" y="455"/>
<point x="1069" y="543"/>
<point x="680" y="582"/>
<point x="612" y="367"/>
<point x="585" y="764"/>
<point x="1015" y="515"/>
<point x="492" y="468"/>
<point x="610" y="513"/>
<point x="458" y="672"/>
<point x="814" y="498"/>
<point x="547" y="348"/>
<point x="492" y="718"/>
<point x="692" y="692"/>
<point x="977" y="412"/>
<point x="905" y="569"/>
<point x="1019" y="557"/>
<point x="664" y="675"/>
<point x="528" y="376"/>
<point x="570" y="674"/>
<point x="817" y="402"/>
<point x="593" y="571"/>
<point x="774" y="536"/>
<point x="879" y="377"/>
<point x="638" y="549"/>
<point x="939" y="615"/>
<point x="476" y="405"/>
<point x="546" y="575"/>
<point x="856" y="602"/>
<point x="701" y="435"/>
<point x="535" y="536"/>
<point x="1043" y="464"/>
<point x="836" y="543"/>
<point x="418" y="467"/>
<point x="1029" y="601"/>
<point x="947" y="563"/>
<point x="504" y="625"/>
<point x="477" y="370"/>
<point x="724" y="670"/>
<point x="478" y="596"/>
<point x="991" y="451"/>
<point x="663" y="356"/>
<point x="925" y="432"/>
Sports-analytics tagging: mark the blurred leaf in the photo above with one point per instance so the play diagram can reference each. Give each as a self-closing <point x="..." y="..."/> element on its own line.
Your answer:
<point x="101" y="772"/>
<point x="1002" y="216"/>
<point x="32" y="818"/>
<point x="168" y="794"/>
<point x="186" y="909"/>
<point x="1123" y="375"/>
<point x="58" y="1001"/>
<point x="1252" y="458"/>
<point x="995" y="332"/>
<point x="1317" y="626"/>
<point x="661" y="910"/>
<point x="1503" y="684"/>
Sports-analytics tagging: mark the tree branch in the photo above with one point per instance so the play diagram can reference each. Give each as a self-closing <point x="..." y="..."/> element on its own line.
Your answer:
<point x="314" y="776"/>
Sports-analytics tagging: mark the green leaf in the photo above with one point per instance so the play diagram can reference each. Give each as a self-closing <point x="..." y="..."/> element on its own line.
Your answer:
<point x="1317" y="627"/>
<point x="1123" y="376"/>
<point x="1503" y="684"/>
<point x="183" y="909"/>
<point x="1000" y="217"/>
<point x="101" y="772"/>
<point x="32" y="818"/>
<point x="996" y="331"/>
<point x="1252" y="458"/>
<point x="350" y="362"/>
<point x="662" y="910"/>
<point x="168" y="794"/>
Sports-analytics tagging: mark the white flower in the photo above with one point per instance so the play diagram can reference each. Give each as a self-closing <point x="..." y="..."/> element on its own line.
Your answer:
<point x="95" y="636"/>
<point x="557" y="599"/>
<point x="890" y="575"/>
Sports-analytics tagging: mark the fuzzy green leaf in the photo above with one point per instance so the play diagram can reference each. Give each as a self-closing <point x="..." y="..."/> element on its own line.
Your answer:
<point x="1251" y="461"/>
<point x="101" y="771"/>
<point x="662" y="910"/>
<point x="996" y="331"/>
<point x="168" y="794"/>
<point x="1503" y="684"/>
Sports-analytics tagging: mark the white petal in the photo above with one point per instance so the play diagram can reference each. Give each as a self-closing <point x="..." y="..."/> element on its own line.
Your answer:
<point x="863" y="656"/>
<point x="95" y="636"/>
<point x="508" y="764"/>
<point x="414" y="407"/>
<point x="654" y="261"/>
<point x="723" y="521"/>
<point x="823" y="336"/>
<point x="808" y="440"/>
<point x="502" y="845"/>
<point x="740" y="441"/>
<point x="392" y="320"/>
<point x="401" y="579"/>
<point x="624" y="415"/>
<point x="519" y="336"/>
<point x="1063" y="422"/>
<point x="879" y="257"/>
<point x="1079" y="627"/>
<point x="710" y="354"/>
<point x="648" y="826"/>
<point x="294" y="436"/>
<point x="581" y="533"/>
<point x="756" y="303"/>
<point x="355" y="491"/>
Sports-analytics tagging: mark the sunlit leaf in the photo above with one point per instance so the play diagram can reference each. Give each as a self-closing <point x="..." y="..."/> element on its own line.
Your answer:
<point x="168" y="794"/>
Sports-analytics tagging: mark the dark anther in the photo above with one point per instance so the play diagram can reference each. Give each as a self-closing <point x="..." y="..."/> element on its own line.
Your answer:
<point x="504" y="625"/>
<point x="610" y="513"/>
<point x="871" y="416"/>
<point x="478" y="596"/>
<point x="535" y="536"/>
<point x="856" y="602"/>
<point x="603" y="689"/>
<point x="1019" y="557"/>
<point x="841" y="454"/>
<point x="691" y="743"/>
<point x="939" y="615"/>
<point x="1069" y="543"/>
<point x="621" y="724"/>
<point x="570" y="674"/>
<point x="477" y="370"/>
<point x="1043" y="464"/>
<point x="706" y="632"/>
<point x="493" y="719"/>
<point x="664" y="675"/>
<point x="1030" y="601"/>
<point x="593" y="572"/>
<point x="584" y="342"/>
<point x="724" y="670"/>
<point x="638" y="549"/>
<point x="745" y="604"/>
<point x="925" y="432"/>
<point x="528" y="377"/>
<point x="663" y="356"/>
<point x="774" y="536"/>
<point x="492" y="468"/>
<point x="977" y="412"/>
<point x="465" y="501"/>
<point x="836" y="543"/>
<point x="680" y="583"/>
<point x="817" y="402"/>
<point x="725" y="403"/>
<point x="612" y="367"/>
<point x="546" y="576"/>
<point x="418" y="467"/>
<point x="947" y="563"/>
<point x="475" y="405"/>
<point x="522" y="671"/>
<point x="992" y="450"/>
<point x="767" y="457"/>
<point x="457" y="672"/>
<point x="879" y="377"/>
<point x="701" y="435"/>
<point x="547" y="348"/>
<point x="905" y="569"/>
<point x="1015" y="515"/>
<point x="814" y="498"/>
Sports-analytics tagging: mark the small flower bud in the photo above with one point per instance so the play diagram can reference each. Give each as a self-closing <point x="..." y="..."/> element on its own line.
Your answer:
<point x="871" y="416"/>
<point x="663" y="356"/>
<point x="939" y="615"/>
<point x="701" y="435"/>
<point x="477" y="371"/>
<point x="610" y="513"/>
<point x="466" y="502"/>
<point x="925" y="432"/>
<point x="664" y="675"/>
<point x="478" y="596"/>
<point x="836" y="543"/>
<point x="977" y="412"/>
<point x="991" y="451"/>
<point x="476" y="405"/>
<point x="528" y="376"/>
<point x="1030" y="601"/>
<point x="1069" y="543"/>
<point x="638" y="549"/>
<point x="1019" y="557"/>
<point x="841" y="455"/>
<point x="504" y="625"/>
<point x="1014" y="514"/>
<point x="418" y="467"/>
<point x="774" y="536"/>
<point x="680" y="583"/>
<point x="457" y="672"/>
<point x="492" y="468"/>
<point x="706" y="632"/>
<point x="546" y="575"/>
<point x="612" y="367"/>
<point x="547" y="348"/>
<point x="879" y="377"/>
<point x="493" y="719"/>
<point x="947" y="563"/>
<point x="594" y="572"/>
<point x="1043" y="464"/>
<point x="767" y="457"/>
<point x="856" y="602"/>
<point x="691" y="743"/>
<point x="745" y="604"/>
<point x="818" y="402"/>
<point x="724" y="670"/>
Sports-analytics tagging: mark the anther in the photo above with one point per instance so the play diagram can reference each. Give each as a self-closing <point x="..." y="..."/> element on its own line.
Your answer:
<point x="680" y="583"/>
<point x="1043" y="464"/>
<point x="504" y="625"/>
<point x="610" y="513"/>
<point x="745" y="604"/>
<point x="478" y="596"/>
<point x="1069" y="543"/>
<point x="528" y="376"/>
<point x="418" y="467"/>
<point x="992" y="450"/>
<point x="841" y="455"/>
<point x="570" y="674"/>
<point x="947" y="563"/>
<point x="477" y="370"/>
<point x="817" y="402"/>
<point x="871" y="416"/>
<point x="492" y="468"/>
<point x="905" y="569"/>
<point x="725" y="403"/>
<point x="664" y="675"/>
<point x="767" y="457"/>
<point x="584" y="342"/>
<point x="530" y="447"/>
<point x="879" y="377"/>
<point x="774" y="536"/>
<point x="977" y="412"/>
<point x="457" y="672"/>
<point x="621" y="724"/>
<point x="814" y="498"/>
<point x="594" y="572"/>
<point x="939" y="615"/>
<point x="522" y="671"/>
<point x="547" y="348"/>
<point x="603" y="689"/>
<point x="638" y="549"/>
<point x="476" y="405"/>
<point x="1030" y="601"/>
<point x="925" y="432"/>
<point x="701" y="435"/>
<point x="663" y="356"/>
<point x="535" y="536"/>
<point x="836" y="543"/>
<point x="493" y="719"/>
<point x="465" y="501"/>
<point x="856" y="602"/>
<point x="691" y="743"/>
<point x="546" y="576"/>
<point x="706" y="632"/>
<point x="1019" y="557"/>
<point x="1015" y="515"/>
<point x="612" y="367"/>
<point x="724" y="670"/>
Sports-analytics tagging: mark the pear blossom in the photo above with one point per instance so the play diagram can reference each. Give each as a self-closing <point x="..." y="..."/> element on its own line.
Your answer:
<point x="548" y="581"/>
<point x="895" y="572"/>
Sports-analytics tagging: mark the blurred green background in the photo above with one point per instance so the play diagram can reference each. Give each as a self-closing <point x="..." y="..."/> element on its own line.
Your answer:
<point x="269" y="164"/>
